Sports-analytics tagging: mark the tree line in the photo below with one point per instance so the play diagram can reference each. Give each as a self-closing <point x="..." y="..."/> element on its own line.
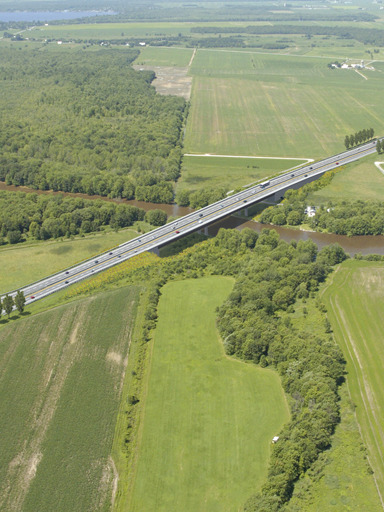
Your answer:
<point x="344" y="217"/>
<point x="9" y="302"/>
<point x="87" y="122"/>
<point x="364" y="35"/>
<point x="42" y="217"/>
<point x="257" y="324"/>
<point x="350" y="218"/>
<point x="358" y="137"/>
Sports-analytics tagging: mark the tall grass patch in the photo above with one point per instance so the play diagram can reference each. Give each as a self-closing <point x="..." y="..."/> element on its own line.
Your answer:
<point x="354" y="299"/>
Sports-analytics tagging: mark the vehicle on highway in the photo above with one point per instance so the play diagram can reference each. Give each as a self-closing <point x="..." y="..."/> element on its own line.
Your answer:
<point x="194" y="220"/>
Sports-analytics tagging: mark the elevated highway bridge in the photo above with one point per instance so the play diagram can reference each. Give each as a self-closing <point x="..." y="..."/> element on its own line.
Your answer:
<point x="194" y="221"/>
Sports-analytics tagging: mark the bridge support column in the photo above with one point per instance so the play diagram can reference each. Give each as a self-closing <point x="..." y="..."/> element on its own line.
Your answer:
<point x="155" y="250"/>
<point x="206" y="231"/>
<point x="246" y="212"/>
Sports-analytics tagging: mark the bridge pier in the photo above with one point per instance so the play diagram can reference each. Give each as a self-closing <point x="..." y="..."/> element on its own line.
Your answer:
<point x="246" y="212"/>
<point x="155" y="250"/>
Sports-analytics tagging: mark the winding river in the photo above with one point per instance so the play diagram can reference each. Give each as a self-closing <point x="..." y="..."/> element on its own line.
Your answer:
<point x="367" y="244"/>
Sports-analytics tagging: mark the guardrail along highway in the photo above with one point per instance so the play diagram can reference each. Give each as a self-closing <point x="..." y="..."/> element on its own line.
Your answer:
<point x="191" y="222"/>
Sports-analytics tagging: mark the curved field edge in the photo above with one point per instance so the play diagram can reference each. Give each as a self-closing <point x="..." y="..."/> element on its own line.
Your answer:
<point x="208" y="419"/>
<point x="354" y="298"/>
<point x="61" y="377"/>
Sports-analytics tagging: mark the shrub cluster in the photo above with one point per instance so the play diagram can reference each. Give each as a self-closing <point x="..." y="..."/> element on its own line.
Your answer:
<point x="350" y="218"/>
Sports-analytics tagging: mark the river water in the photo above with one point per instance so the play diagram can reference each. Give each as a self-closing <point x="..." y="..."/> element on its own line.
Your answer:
<point x="355" y="244"/>
<point x="35" y="16"/>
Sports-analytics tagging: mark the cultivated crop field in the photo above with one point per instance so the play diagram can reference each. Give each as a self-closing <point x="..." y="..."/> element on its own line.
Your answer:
<point x="248" y="103"/>
<point x="24" y="264"/>
<point x="228" y="173"/>
<point x="60" y="382"/>
<point x="209" y="419"/>
<point x="355" y="301"/>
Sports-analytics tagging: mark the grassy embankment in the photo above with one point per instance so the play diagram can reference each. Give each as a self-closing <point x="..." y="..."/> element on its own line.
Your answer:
<point x="25" y="263"/>
<point x="360" y="180"/>
<point x="354" y="300"/>
<point x="61" y="378"/>
<point x="342" y="478"/>
<point x="208" y="419"/>
<point x="200" y="172"/>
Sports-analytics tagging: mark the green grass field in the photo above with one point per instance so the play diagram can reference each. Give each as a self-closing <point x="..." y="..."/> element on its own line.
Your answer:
<point x="274" y="105"/>
<point x="341" y="479"/>
<point x="208" y="419"/>
<point x="25" y="263"/>
<point x="229" y="173"/>
<point x="354" y="299"/>
<point x="360" y="180"/>
<point x="175" y="57"/>
<point x="60" y="384"/>
<point x="344" y="482"/>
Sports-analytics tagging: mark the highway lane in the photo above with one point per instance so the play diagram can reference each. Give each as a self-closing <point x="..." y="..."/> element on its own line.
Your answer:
<point x="190" y="223"/>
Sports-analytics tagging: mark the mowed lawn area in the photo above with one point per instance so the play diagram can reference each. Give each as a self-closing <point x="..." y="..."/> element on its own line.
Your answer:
<point x="23" y="264"/>
<point x="61" y="374"/>
<point x="355" y="303"/>
<point x="246" y="103"/>
<point x="359" y="180"/>
<point x="200" y="172"/>
<point x="208" y="419"/>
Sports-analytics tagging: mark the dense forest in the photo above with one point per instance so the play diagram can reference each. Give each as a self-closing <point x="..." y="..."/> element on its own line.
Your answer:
<point x="87" y="122"/>
<point x="42" y="217"/>
<point x="257" y="324"/>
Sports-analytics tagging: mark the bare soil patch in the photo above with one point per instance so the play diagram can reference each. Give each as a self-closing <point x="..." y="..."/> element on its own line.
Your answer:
<point x="170" y="80"/>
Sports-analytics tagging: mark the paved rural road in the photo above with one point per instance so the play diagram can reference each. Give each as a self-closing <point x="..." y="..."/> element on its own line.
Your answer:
<point x="190" y="223"/>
